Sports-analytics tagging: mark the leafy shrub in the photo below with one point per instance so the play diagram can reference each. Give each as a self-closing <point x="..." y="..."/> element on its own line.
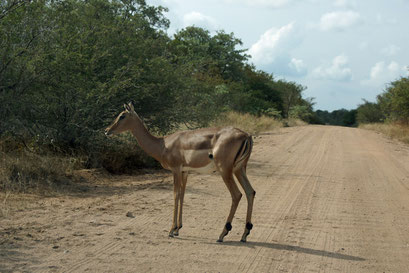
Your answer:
<point x="369" y="112"/>
<point x="301" y="112"/>
<point x="68" y="66"/>
<point x="394" y="102"/>
<point x="122" y="154"/>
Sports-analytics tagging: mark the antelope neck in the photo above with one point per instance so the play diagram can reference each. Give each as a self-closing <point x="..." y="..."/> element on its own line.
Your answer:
<point x="152" y="145"/>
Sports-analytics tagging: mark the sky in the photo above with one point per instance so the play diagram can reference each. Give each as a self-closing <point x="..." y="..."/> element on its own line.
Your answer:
<point x="343" y="51"/>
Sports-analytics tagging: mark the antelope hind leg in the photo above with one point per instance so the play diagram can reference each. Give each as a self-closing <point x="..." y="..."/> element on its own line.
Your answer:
<point x="250" y="193"/>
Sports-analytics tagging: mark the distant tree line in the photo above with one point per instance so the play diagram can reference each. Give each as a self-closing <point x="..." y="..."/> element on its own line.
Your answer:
<point x="341" y="117"/>
<point x="391" y="106"/>
<point x="66" y="68"/>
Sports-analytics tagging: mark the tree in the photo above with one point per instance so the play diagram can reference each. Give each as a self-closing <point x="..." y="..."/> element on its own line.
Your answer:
<point x="255" y="93"/>
<point x="340" y="117"/>
<point x="394" y="102"/>
<point x="68" y="66"/>
<point x="291" y="95"/>
<point x="216" y="55"/>
<point x="369" y="112"/>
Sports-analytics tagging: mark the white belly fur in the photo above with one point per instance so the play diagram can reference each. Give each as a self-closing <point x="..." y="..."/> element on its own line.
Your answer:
<point x="208" y="169"/>
<point x="193" y="156"/>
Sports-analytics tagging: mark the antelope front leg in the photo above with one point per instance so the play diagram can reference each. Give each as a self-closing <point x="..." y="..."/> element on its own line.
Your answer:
<point x="176" y="194"/>
<point x="181" y="198"/>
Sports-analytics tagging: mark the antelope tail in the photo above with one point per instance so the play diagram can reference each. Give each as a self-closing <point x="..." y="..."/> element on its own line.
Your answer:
<point x="244" y="152"/>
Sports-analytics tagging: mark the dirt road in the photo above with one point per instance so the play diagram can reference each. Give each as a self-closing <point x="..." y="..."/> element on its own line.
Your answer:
<point x="329" y="199"/>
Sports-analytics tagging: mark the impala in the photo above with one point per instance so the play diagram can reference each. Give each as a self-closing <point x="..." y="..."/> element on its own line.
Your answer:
<point x="225" y="151"/>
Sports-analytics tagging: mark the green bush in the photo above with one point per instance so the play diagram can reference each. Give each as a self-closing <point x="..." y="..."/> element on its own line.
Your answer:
<point x="301" y="112"/>
<point x="394" y="102"/>
<point x="369" y="112"/>
<point x="68" y="66"/>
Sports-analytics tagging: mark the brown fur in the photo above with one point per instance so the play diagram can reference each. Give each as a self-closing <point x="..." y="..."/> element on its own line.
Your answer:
<point x="229" y="147"/>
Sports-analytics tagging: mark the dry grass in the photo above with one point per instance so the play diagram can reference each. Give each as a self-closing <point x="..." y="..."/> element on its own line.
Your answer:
<point x="395" y="131"/>
<point x="294" y="122"/>
<point x="25" y="171"/>
<point x="249" y="123"/>
<point x="29" y="172"/>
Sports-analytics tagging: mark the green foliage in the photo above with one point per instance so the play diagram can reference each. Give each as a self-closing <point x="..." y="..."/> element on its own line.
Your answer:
<point x="300" y="112"/>
<point x="349" y="118"/>
<point x="71" y="64"/>
<point x="272" y="113"/>
<point x="302" y="109"/>
<point x="369" y="112"/>
<point x="68" y="66"/>
<point x="264" y="94"/>
<point x="341" y="117"/>
<point x="391" y="106"/>
<point x="394" y="102"/>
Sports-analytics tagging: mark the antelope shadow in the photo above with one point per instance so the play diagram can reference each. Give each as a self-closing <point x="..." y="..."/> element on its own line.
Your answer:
<point x="298" y="249"/>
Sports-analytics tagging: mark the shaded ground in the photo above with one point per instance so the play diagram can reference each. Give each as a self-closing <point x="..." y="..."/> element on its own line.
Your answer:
<point x="329" y="199"/>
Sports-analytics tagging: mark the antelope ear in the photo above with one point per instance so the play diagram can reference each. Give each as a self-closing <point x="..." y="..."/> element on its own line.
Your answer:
<point x="130" y="105"/>
<point x="127" y="108"/>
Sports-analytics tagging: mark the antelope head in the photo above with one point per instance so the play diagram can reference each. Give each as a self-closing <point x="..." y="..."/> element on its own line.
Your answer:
<point x="123" y="121"/>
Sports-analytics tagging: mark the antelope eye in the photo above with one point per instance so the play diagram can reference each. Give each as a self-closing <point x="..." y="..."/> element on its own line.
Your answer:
<point x="122" y="117"/>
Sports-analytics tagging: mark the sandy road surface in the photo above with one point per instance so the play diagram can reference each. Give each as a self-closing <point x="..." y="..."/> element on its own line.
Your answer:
<point x="329" y="199"/>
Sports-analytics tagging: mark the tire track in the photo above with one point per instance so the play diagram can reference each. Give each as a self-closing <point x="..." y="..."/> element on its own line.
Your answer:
<point x="297" y="187"/>
<point x="329" y="199"/>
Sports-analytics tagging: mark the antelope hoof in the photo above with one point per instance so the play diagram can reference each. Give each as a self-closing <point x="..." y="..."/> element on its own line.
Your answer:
<point x="224" y="233"/>
<point x="249" y="226"/>
<point x="244" y="237"/>
<point x="173" y="232"/>
<point x="226" y="230"/>
<point x="176" y="231"/>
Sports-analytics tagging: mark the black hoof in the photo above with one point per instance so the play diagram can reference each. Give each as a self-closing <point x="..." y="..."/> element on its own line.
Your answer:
<point x="220" y="241"/>
<point x="243" y="241"/>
